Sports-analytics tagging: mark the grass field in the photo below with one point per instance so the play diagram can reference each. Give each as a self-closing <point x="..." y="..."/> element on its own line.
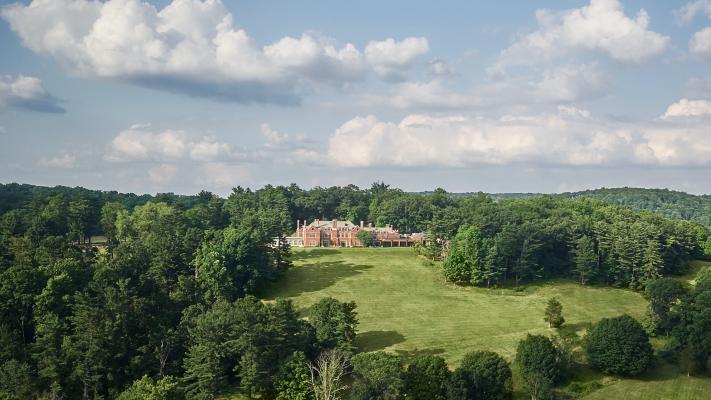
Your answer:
<point x="405" y="306"/>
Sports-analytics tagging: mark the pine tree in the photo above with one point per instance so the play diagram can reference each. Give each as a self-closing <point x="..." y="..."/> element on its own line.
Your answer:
<point x="554" y="313"/>
<point x="653" y="263"/>
<point x="585" y="259"/>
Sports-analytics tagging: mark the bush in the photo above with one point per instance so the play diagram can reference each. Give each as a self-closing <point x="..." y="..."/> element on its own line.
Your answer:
<point x="618" y="346"/>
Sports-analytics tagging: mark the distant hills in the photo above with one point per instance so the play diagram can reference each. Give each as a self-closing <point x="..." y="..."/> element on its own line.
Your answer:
<point x="669" y="203"/>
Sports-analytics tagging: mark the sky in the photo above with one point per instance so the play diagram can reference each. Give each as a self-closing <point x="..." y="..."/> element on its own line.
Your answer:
<point x="506" y="96"/>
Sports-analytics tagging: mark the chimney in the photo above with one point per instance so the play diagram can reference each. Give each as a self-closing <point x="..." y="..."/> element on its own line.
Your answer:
<point x="334" y="224"/>
<point x="298" y="223"/>
<point x="361" y="224"/>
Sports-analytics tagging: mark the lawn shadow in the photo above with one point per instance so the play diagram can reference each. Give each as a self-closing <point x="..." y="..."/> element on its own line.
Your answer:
<point x="409" y="355"/>
<point x="662" y="371"/>
<point x="313" y="278"/>
<point x="304" y="254"/>
<point x="377" y="340"/>
<point x="571" y="330"/>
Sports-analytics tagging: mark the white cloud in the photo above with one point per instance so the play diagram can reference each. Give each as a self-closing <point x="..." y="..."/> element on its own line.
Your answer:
<point x="273" y="137"/>
<point x="26" y="92"/>
<point x="189" y="46"/>
<point x="139" y="144"/>
<point x="223" y="175"/>
<point x="390" y="58"/>
<point x="61" y="161"/>
<point x="688" y="108"/>
<point x="601" y="26"/>
<point x="563" y="84"/>
<point x="700" y="42"/>
<point x="570" y="137"/>
<point x="440" y="68"/>
<point x="162" y="174"/>
<point x="571" y="83"/>
<point x="689" y="11"/>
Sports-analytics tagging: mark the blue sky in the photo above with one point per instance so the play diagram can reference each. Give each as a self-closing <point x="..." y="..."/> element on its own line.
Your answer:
<point x="494" y="96"/>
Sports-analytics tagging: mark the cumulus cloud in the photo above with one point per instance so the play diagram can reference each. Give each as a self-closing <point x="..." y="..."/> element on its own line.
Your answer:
<point x="61" y="161"/>
<point x="440" y="68"/>
<point x="561" y="84"/>
<point x="700" y="42"/>
<point x="222" y="175"/>
<point x="690" y="10"/>
<point x="162" y="174"/>
<point x="688" y="108"/>
<point x="569" y="137"/>
<point x="273" y="137"/>
<point x="390" y="58"/>
<point x="601" y="26"/>
<point x="189" y="46"/>
<point x="26" y="92"/>
<point x="139" y="144"/>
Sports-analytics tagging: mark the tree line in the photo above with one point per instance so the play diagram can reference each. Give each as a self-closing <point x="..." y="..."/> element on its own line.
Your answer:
<point x="526" y="239"/>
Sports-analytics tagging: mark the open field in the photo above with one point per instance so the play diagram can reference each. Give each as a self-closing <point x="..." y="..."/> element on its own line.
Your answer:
<point x="406" y="307"/>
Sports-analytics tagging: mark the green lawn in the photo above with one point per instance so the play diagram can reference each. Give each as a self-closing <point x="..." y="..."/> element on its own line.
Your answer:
<point x="663" y="383"/>
<point x="405" y="306"/>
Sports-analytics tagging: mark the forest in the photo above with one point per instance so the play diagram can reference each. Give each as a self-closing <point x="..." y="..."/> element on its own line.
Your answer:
<point x="167" y="304"/>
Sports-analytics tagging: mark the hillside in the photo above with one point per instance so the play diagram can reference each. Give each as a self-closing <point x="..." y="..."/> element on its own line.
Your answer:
<point x="406" y="307"/>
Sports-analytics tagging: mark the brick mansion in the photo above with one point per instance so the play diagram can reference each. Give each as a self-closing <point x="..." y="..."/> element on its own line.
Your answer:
<point x="344" y="234"/>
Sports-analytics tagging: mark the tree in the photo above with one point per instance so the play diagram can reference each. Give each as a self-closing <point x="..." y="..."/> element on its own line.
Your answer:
<point x="466" y="258"/>
<point x="334" y="323"/>
<point x="585" y="258"/>
<point x="377" y="375"/>
<point x="618" y="346"/>
<point x="653" y="264"/>
<point x="16" y="381"/>
<point x="539" y="364"/>
<point x="365" y="237"/>
<point x="426" y="378"/>
<point x="292" y="382"/>
<point x="554" y="313"/>
<point x="663" y="294"/>
<point x="166" y="388"/>
<point x="327" y="374"/>
<point x="482" y="375"/>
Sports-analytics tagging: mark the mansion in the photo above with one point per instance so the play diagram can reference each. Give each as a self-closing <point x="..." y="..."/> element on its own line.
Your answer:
<point x="344" y="234"/>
